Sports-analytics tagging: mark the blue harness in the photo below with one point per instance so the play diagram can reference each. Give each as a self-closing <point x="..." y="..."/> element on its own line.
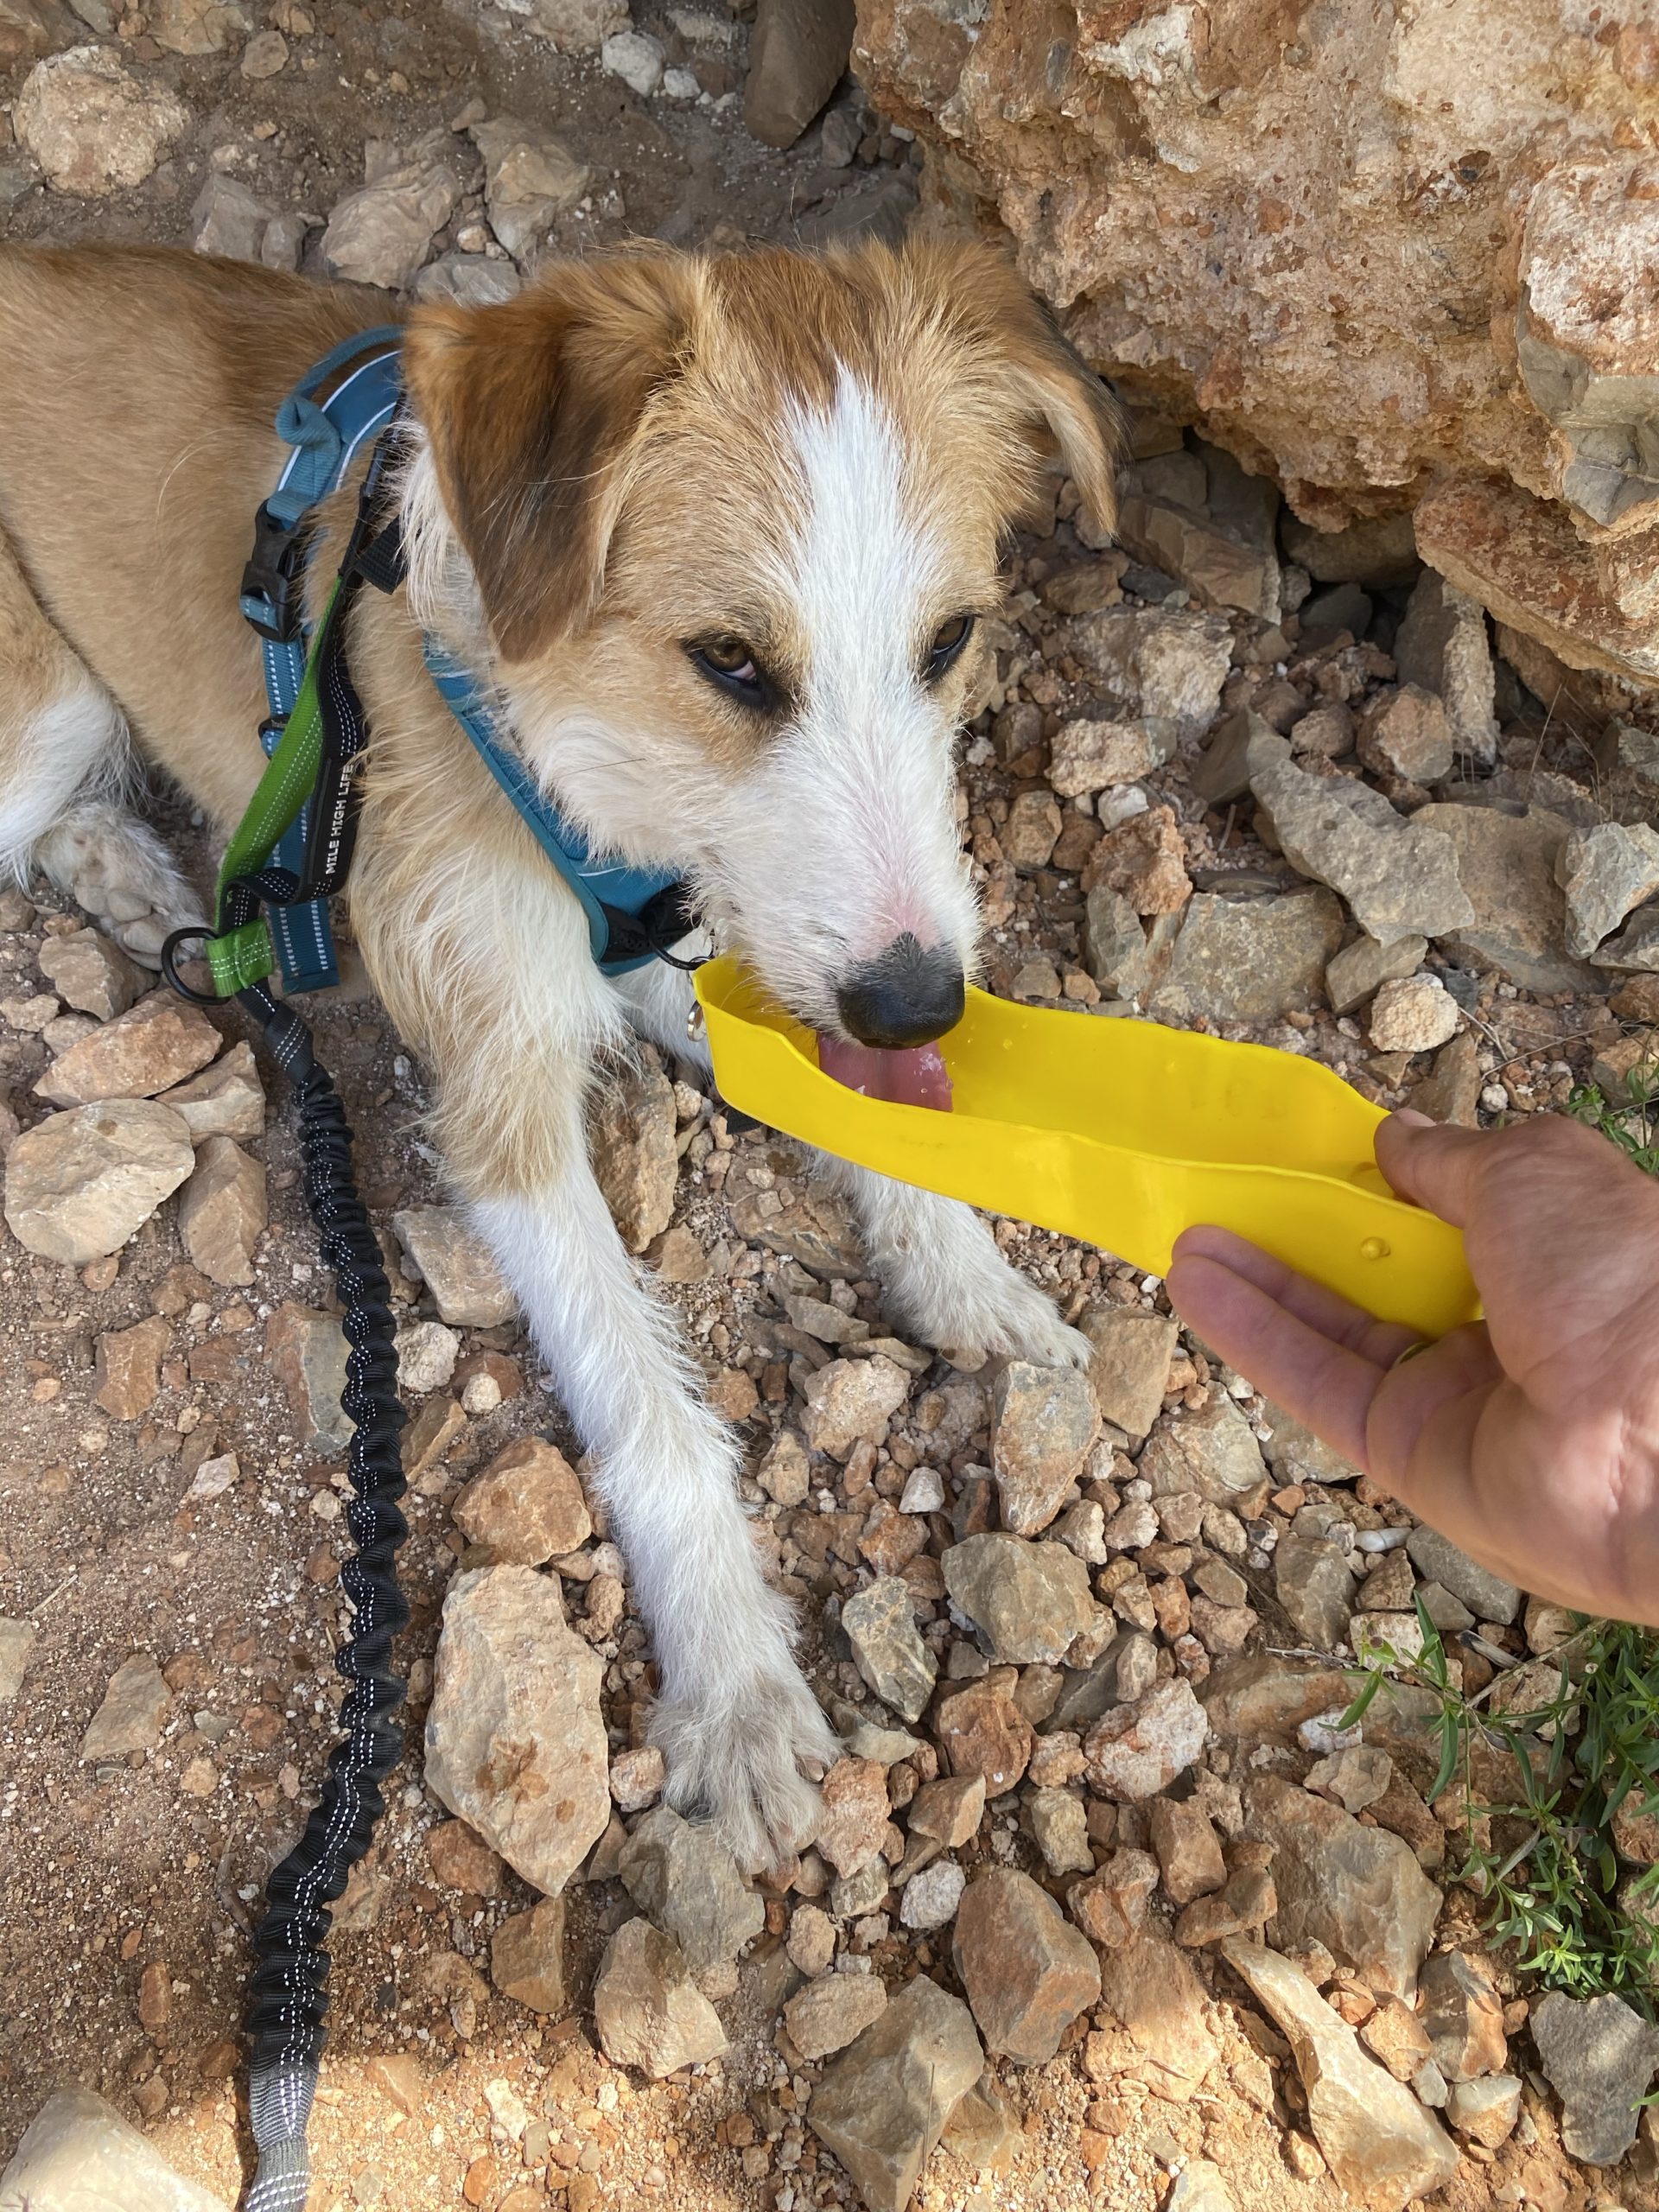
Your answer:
<point x="327" y="437"/>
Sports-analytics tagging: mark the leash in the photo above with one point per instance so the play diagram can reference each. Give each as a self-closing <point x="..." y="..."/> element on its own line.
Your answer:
<point x="290" y="854"/>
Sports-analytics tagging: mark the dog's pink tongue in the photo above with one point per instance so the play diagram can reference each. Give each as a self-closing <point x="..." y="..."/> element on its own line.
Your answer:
<point x="915" y="1078"/>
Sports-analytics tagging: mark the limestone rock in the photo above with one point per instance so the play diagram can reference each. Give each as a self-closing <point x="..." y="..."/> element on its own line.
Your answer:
<point x="1486" y="2112"/>
<point x="1168" y="667"/>
<point x="308" y="1353"/>
<point x="797" y="55"/>
<point x="1399" y="876"/>
<point x="381" y="234"/>
<point x="687" y="1880"/>
<point x="887" y="1650"/>
<point x="1604" y="872"/>
<point x="515" y="1743"/>
<point x="1487" y="1595"/>
<point x="1315" y="1584"/>
<point x="647" y="2011"/>
<point x="1031" y="1601"/>
<point x="1249" y="959"/>
<point x="1359" y="1890"/>
<point x="229" y="220"/>
<point x="29" y="27"/>
<point x="129" y="1719"/>
<point x="785" y="1473"/>
<point x="1241" y="744"/>
<point x="154" y="1045"/>
<point x="1407" y="735"/>
<point x="983" y="1733"/>
<point x="1442" y="647"/>
<point x="1129" y="1370"/>
<point x="1213" y="1452"/>
<point x="530" y="178"/>
<point x="79" y="2155"/>
<point x="854" y="1814"/>
<point x="456" y="1266"/>
<point x="18" y="1639"/>
<point x="1152" y="1988"/>
<point x="195" y="27"/>
<point x="631" y="1136"/>
<point x="127" y="1367"/>
<point x="1189" y="1851"/>
<point x="1360" y="969"/>
<point x="527" y="1957"/>
<point x="1412" y="1015"/>
<point x="1059" y="1827"/>
<point x="1462" y="2016"/>
<point x="1045" y="1423"/>
<point x="94" y="128"/>
<point x="226" y="1100"/>
<point x="427" y="1352"/>
<point x="223" y="1211"/>
<point x="636" y="58"/>
<point x="1200" y="2186"/>
<point x="1136" y="1750"/>
<point x="1506" y="868"/>
<point x="949" y="1810"/>
<point x="931" y="1896"/>
<point x="574" y="26"/>
<point x="1026" y="1971"/>
<point x="826" y="2016"/>
<point x="1090" y="756"/>
<point x="1378" y="2141"/>
<point x="471" y="279"/>
<point x="527" y="1506"/>
<point x="1110" y="1907"/>
<point x="851" y="1400"/>
<point x="1520" y="558"/>
<point x="91" y="973"/>
<point x="80" y="1182"/>
<point x="883" y="2104"/>
<point x="1144" y="859"/>
<point x="1600" y="2057"/>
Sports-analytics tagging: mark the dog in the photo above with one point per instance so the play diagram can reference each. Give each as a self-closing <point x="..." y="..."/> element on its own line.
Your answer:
<point x="723" y="535"/>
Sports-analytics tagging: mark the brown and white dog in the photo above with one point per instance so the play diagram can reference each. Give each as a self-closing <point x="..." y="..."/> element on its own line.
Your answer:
<point x="719" y="532"/>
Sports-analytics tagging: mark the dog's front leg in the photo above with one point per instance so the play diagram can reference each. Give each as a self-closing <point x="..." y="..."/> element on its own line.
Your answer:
<point x="735" y="1719"/>
<point x="946" y="1281"/>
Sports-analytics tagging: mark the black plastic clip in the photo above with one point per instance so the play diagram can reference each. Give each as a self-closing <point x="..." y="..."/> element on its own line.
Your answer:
<point x="270" y="580"/>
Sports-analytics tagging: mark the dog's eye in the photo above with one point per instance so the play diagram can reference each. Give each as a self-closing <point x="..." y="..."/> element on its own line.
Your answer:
<point x="948" y="641"/>
<point x="728" y="663"/>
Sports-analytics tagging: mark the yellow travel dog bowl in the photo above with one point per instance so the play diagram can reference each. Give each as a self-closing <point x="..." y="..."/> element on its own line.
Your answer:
<point x="1118" y="1132"/>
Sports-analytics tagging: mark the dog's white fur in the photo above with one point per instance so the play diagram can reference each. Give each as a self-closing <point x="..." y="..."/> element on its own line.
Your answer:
<point x="812" y="850"/>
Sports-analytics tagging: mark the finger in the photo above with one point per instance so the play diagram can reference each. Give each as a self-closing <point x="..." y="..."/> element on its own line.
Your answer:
<point x="1338" y="1318"/>
<point x="1434" y="1166"/>
<point x="1319" y="1382"/>
<point x="1416" y="1428"/>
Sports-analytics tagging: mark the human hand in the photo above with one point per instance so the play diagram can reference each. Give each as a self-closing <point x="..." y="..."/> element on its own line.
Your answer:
<point x="1530" y="1439"/>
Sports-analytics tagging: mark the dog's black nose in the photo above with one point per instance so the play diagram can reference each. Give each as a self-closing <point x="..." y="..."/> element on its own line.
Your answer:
<point x="906" y="995"/>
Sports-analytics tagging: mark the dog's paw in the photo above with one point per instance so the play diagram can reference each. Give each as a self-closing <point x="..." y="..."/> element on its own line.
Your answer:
<point x="121" y="872"/>
<point x="741" y="1759"/>
<point x="995" y="1312"/>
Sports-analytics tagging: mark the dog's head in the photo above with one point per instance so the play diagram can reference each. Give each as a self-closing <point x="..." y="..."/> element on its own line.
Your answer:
<point x="732" y="526"/>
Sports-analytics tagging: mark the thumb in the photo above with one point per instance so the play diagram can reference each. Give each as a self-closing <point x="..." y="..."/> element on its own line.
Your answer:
<point x="1433" y="1166"/>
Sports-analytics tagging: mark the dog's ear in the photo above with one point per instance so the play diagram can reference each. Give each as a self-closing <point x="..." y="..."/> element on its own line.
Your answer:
<point x="534" y="408"/>
<point x="1071" y="403"/>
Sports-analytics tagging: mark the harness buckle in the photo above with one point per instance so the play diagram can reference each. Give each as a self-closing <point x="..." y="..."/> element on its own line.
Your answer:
<point x="270" y="580"/>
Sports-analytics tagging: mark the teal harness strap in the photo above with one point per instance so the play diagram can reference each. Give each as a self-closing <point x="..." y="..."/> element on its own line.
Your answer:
<point x="631" y="913"/>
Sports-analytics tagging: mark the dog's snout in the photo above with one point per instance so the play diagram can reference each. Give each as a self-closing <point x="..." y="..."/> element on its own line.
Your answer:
<point x="908" y="994"/>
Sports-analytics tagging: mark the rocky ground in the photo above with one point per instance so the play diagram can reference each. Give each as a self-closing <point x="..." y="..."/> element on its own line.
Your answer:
<point x="1085" y="1638"/>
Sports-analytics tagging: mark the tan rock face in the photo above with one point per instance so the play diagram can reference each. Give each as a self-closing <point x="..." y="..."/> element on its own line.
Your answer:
<point x="1458" y="279"/>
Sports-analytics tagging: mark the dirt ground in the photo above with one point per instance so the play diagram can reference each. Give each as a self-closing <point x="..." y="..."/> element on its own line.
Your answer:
<point x="159" y="1862"/>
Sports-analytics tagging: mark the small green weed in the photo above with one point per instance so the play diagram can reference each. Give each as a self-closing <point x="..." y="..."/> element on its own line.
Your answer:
<point x="1629" y="1119"/>
<point x="1544" y="1861"/>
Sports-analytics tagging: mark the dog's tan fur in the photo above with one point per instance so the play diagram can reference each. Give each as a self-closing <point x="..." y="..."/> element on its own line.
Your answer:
<point x="603" y="472"/>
